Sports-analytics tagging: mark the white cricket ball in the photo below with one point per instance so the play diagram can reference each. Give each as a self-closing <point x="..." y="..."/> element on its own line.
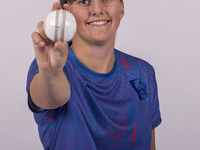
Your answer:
<point x="60" y="25"/>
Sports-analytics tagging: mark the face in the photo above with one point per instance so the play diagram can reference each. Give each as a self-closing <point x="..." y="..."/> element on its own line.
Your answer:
<point x="97" y="20"/>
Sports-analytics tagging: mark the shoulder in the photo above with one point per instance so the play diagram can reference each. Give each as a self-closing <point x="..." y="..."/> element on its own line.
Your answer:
<point x="131" y="62"/>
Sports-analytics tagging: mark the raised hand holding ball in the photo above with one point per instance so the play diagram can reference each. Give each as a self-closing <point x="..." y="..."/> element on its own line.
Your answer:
<point x="60" y="25"/>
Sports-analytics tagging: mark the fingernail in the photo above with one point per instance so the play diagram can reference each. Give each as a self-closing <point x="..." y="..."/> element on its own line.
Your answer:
<point x="42" y="44"/>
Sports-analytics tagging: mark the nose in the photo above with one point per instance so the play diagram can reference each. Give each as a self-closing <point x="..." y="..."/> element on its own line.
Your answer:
<point x="97" y="8"/>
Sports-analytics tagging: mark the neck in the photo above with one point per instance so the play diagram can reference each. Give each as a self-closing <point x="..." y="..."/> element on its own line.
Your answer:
<point x="98" y="57"/>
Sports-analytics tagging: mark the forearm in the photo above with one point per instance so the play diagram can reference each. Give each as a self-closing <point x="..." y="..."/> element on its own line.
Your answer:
<point x="50" y="90"/>
<point x="153" y="145"/>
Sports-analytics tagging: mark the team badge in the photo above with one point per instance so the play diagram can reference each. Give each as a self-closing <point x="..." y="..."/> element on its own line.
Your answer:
<point x="140" y="88"/>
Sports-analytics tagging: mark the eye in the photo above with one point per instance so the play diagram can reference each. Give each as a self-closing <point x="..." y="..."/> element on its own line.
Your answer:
<point x="107" y="0"/>
<point x="83" y="2"/>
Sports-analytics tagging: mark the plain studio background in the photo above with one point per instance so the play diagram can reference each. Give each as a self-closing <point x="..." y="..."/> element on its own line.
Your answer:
<point x="166" y="33"/>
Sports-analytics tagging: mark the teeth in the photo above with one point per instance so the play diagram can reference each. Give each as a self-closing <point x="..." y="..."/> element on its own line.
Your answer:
<point x="98" y="23"/>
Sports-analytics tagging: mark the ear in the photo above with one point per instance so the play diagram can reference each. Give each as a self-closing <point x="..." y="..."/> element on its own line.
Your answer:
<point x="122" y="9"/>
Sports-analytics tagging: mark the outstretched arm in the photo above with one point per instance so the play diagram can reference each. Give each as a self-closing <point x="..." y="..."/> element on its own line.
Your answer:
<point x="49" y="88"/>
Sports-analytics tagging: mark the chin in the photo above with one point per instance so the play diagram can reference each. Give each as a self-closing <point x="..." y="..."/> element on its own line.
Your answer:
<point x="101" y="38"/>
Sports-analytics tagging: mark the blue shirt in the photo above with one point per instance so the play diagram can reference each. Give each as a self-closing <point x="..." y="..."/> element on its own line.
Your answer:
<point x="112" y="111"/>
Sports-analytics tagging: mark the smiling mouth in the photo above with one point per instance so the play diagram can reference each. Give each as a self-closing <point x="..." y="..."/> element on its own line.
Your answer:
<point x="98" y="23"/>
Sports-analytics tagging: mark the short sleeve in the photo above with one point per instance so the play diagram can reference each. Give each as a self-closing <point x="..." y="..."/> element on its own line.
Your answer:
<point x="156" y="108"/>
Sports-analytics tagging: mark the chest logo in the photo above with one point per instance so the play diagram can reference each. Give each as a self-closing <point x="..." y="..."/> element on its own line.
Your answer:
<point x="140" y="88"/>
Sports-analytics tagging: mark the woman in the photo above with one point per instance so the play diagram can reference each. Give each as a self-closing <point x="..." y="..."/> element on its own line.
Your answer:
<point x="86" y="94"/>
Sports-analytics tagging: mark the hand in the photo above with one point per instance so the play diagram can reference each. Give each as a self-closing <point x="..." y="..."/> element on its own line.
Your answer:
<point x="50" y="56"/>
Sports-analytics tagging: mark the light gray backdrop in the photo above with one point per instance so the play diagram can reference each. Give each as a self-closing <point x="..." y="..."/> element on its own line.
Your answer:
<point x="166" y="33"/>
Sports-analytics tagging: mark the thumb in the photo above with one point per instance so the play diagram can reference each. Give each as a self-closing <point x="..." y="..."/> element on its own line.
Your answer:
<point x="61" y="47"/>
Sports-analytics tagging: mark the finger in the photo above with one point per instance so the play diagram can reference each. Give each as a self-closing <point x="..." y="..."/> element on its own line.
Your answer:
<point x="55" y="6"/>
<point x="61" y="47"/>
<point x="37" y="39"/>
<point x="66" y="7"/>
<point x="58" y="45"/>
<point x="40" y="27"/>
